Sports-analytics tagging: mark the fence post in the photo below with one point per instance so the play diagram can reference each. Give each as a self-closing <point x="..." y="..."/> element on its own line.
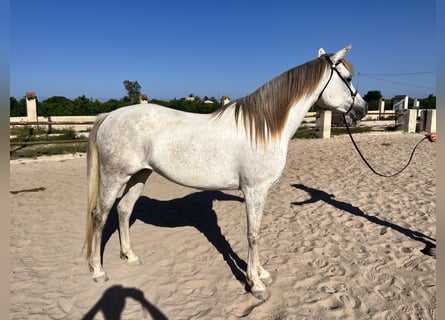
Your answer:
<point x="31" y="106"/>
<point x="323" y="124"/>
<point x="381" y="107"/>
<point x="408" y="120"/>
<point x="430" y="125"/>
<point x="422" y="124"/>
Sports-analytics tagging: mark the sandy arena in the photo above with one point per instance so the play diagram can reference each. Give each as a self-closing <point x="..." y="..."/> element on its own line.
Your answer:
<point x="340" y="241"/>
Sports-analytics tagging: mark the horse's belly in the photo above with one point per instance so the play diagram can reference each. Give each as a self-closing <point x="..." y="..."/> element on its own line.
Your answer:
<point x="208" y="170"/>
<point x="199" y="177"/>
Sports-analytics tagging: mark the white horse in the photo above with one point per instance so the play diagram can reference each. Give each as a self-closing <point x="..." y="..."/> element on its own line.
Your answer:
<point x="243" y="145"/>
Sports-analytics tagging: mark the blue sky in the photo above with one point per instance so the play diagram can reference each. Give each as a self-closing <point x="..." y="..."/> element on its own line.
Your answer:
<point x="214" y="48"/>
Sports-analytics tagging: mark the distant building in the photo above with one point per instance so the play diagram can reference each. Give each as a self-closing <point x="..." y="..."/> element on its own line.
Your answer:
<point x="225" y="100"/>
<point x="400" y="103"/>
<point x="144" y="98"/>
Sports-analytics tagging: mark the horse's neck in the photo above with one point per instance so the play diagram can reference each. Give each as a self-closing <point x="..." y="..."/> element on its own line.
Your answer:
<point x="296" y="115"/>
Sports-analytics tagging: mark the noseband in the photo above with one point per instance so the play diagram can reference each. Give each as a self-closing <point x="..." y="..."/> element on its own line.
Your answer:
<point x="334" y="68"/>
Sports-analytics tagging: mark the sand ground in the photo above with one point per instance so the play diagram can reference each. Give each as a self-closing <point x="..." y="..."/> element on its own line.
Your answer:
<point x="340" y="242"/>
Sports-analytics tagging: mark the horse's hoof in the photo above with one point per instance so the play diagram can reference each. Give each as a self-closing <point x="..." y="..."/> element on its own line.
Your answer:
<point x="131" y="259"/>
<point x="262" y="295"/>
<point x="101" y="278"/>
<point x="267" y="280"/>
<point x="134" y="262"/>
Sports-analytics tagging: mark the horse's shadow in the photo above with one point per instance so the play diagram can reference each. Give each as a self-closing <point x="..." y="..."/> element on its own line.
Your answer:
<point x="195" y="210"/>
<point x="319" y="195"/>
<point x="112" y="304"/>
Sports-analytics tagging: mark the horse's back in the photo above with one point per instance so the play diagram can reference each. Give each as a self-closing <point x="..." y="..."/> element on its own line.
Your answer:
<point x="190" y="149"/>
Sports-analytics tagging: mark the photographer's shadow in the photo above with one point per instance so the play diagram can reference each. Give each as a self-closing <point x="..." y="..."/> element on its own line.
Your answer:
<point x="195" y="210"/>
<point x="319" y="195"/>
<point x="112" y="304"/>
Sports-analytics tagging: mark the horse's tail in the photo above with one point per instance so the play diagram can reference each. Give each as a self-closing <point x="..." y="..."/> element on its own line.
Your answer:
<point x="93" y="179"/>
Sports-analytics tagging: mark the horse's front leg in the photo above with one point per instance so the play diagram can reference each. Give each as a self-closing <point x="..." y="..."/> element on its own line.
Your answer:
<point x="257" y="276"/>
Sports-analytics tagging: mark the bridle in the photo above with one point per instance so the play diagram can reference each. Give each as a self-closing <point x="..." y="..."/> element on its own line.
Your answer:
<point x="334" y="69"/>
<point x="353" y="95"/>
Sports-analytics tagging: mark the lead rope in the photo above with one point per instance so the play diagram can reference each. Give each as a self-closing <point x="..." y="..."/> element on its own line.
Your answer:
<point x="367" y="163"/>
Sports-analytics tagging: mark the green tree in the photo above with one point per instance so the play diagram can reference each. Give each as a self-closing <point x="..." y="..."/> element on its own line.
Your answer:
<point x="373" y="95"/>
<point x="372" y="98"/>
<point x="428" y="103"/>
<point x="80" y="106"/>
<point x="110" y="105"/>
<point x="133" y="89"/>
<point x="17" y="108"/>
<point x="55" y="106"/>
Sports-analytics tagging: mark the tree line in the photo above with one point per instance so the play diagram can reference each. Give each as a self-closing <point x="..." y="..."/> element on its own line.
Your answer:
<point x="83" y="106"/>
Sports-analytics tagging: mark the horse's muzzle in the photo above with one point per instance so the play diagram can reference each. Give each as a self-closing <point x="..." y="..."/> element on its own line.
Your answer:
<point x="357" y="112"/>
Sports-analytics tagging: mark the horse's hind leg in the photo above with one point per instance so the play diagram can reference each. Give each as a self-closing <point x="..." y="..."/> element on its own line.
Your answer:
<point x="132" y="192"/>
<point x="107" y="197"/>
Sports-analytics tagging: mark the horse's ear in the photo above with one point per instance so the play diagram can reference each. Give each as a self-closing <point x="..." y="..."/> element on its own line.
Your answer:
<point x="321" y="52"/>
<point x="340" y="54"/>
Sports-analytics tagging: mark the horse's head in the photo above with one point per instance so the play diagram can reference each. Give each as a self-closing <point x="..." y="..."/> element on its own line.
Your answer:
<point x="338" y="92"/>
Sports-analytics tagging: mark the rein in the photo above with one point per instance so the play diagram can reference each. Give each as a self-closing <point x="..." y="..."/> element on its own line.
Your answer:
<point x="353" y="95"/>
<point x="366" y="161"/>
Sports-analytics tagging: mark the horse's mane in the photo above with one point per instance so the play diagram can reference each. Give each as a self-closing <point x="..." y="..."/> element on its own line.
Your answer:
<point x="264" y="111"/>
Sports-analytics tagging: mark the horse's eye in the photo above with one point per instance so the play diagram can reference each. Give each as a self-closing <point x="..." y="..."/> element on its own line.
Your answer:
<point x="349" y="79"/>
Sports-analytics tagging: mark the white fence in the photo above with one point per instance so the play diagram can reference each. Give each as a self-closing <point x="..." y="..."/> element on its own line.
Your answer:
<point x="323" y="120"/>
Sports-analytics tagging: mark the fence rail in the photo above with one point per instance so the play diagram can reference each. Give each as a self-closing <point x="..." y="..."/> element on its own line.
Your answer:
<point x="49" y="123"/>
<point x="322" y="125"/>
<point x="87" y="121"/>
<point x="30" y="143"/>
